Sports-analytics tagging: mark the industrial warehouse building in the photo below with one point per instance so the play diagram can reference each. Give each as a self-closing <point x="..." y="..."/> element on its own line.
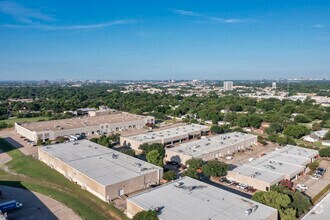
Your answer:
<point x="107" y="123"/>
<point x="104" y="172"/>
<point x="284" y="163"/>
<point x="187" y="198"/>
<point x="209" y="148"/>
<point x="166" y="136"/>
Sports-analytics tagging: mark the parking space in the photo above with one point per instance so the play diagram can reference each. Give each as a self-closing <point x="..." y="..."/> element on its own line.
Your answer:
<point x="315" y="186"/>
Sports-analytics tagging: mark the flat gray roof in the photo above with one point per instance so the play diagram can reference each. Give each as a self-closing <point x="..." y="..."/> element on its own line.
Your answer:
<point x="298" y="151"/>
<point x="289" y="160"/>
<point x="320" y="211"/>
<point x="181" y="131"/>
<point x="260" y="174"/>
<point x="209" y="144"/>
<point x="195" y="200"/>
<point x="80" y="122"/>
<point x="104" y="165"/>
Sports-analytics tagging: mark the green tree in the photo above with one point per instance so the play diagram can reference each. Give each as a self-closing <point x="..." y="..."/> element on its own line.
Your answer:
<point x="129" y="152"/>
<point x="192" y="173"/>
<point x="146" y="215"/>
<point x="215" y="168"/>
<point x="324" y="152"/>
<point x="155" y="158"/>
<point x="146" y="148"/>
<point x="254" y="120"/>
<point x="288" y="214"/>
<point x="301" y="203"/>
<point x="313" y="114"/>
<point x="327" y="136"/>
<point x="296" y="131"/>
<point x="3" y="125"/>
<point x="274" y="199"/>
<point x="316" y="127"/>
<point x="301" y="119"/>
<point x="273" y="137"/>
<point x="195" y="163"/>
<point x="169" y="175"/>
<point x="242" y="121"/>
<point x="313" y="166"/>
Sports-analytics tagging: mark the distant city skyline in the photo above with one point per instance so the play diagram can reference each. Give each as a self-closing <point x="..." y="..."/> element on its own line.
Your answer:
<point x="181" y="40"/>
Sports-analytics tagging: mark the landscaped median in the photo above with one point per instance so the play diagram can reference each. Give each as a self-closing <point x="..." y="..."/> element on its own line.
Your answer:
<point x="27" y="172"/>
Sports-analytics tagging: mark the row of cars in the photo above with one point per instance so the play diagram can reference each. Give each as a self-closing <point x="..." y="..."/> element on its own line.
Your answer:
<point x="241" y="186"/>
<point x="29" y="142"/>
<point x="318" y="173"/>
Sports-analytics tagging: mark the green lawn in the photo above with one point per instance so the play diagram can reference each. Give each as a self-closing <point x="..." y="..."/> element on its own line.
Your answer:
<point x="37" y="176"/>
<point x="13" y="120"/>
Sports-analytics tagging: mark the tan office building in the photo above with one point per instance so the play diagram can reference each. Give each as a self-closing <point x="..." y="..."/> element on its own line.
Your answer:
<point x="212" y="147"/>
<point x="166" y="137"/>
<point x="104" y="172"/>
<point x="287" y="162"/>
<point x="50" y="130"/>
<point x="187" y="198"/>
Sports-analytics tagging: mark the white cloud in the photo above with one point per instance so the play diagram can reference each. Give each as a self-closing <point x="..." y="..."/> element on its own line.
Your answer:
<point x="208" y="19"/>
<point x="23" y="14"/>
<point x="46" y="27"/>
<point x="29" y="18"/>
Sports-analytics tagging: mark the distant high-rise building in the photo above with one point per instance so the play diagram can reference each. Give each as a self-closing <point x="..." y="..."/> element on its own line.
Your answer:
<point x="228" y="86"/>
<point x="274" y="85"/>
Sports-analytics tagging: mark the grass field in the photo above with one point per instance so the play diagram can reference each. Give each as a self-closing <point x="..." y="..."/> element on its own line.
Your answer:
<point x="13" y="120"/>
<point x="37" y="176"/>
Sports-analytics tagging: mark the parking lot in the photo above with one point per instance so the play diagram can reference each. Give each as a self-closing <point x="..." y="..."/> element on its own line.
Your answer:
<point x="13" y="138"/>
<point x="233" y="186"/>
<point x="35" y="205"/>
<point x="243" y="157"/>
<point x="315" y="186"/>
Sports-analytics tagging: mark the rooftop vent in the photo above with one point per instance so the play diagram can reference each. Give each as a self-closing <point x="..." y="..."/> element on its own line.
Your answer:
<point x="248" y="211"/>
<point x="254" y="208"/>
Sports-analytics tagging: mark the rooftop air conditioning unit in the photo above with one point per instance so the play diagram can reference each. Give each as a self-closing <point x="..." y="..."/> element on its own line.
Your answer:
<point x="248" y="211"/>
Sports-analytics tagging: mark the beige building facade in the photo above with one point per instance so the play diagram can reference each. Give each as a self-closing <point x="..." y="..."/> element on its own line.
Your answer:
<point x="106" y="173"/>
<point x="166" y="137"/>
<point x="211" y="147"/>
<point x="87" y="125"/>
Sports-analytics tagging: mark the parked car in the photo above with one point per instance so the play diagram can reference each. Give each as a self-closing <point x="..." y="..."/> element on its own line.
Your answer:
<point x="302" y="187"/>
<point x="229" y="157"/>
<point x="320" y="170"/>
<point x="242" y="186"/>
<point x="230" y="182"/>
<point x="251" y="159"/>
<point x="173" y="163"/>
<point x="222" y="179"/>
<point x="318" y="173"/>
<point x="315" y="177"/>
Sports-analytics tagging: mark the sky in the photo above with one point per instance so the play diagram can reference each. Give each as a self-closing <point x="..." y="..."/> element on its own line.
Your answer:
<point x="160" y="40"/>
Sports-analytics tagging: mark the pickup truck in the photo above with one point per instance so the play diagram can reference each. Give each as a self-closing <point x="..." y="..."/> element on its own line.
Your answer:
<point x="10" y="205"/>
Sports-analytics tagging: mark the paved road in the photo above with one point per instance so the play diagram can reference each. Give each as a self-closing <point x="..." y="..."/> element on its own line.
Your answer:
<point x="35" y="205"/>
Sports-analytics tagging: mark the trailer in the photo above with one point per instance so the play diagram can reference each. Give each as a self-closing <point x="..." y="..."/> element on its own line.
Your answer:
<point x="10" y="205"/>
